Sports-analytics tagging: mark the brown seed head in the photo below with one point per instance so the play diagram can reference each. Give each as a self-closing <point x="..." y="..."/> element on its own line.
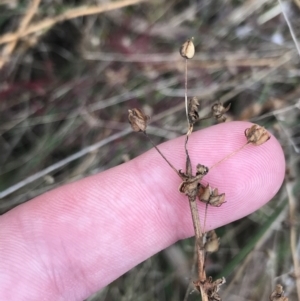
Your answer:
<point x="212" y="287"/>
<point x="218" y="111"/>
<point x="216" y="200"/>
<point x="257" y="135"/>
<point x="211" y="196"/>
<point x="201" y="170"/>
<point x="278" y="294"/>
<point x="212" y="242"/>
<point x="193" y="110"/>
<point x="187" y="50"/>
<point x="204" y="193"/>
<point x="138" y="120"/>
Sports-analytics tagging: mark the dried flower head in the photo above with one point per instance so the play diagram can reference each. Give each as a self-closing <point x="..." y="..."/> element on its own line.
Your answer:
<point x="193" y="110"/>
<point x="211" y="288"/>
<point x="212" y="242"/>
<point x="216" y="199"/>
<point x="187" y="50"/>
<point x="210" y="196"/>
<point x="202" y="170"/>
<point x="278" y="294"/>
<point x="138" y="120"/>
<point x="204" y="193"/>
<point x="257" y="135"/>
<point x="218" y="111"/>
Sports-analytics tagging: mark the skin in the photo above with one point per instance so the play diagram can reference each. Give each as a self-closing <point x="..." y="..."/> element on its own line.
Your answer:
<point x="70" y="242"/>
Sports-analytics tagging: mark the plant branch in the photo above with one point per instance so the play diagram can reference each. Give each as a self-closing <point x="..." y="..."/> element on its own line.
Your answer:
<point x="229" y="156"/>
<point x="161" y="154"/>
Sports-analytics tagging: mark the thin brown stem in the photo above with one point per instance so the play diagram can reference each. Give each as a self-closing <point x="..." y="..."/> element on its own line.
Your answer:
<point x="161" y="154"/>
<point x="189" y="170"/>
<point x="205" y="216"/>
<point x="293" y="233"/>
<point x="229" y="156"/>
<point x="185" y="91"/>
<point x="199" y="238"/>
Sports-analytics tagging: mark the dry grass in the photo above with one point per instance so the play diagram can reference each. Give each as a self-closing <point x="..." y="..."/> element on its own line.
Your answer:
<point x="69" y="74"/>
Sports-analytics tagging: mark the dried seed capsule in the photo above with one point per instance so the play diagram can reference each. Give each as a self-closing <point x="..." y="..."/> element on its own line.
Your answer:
<point x="217" y="201"/>
<point x="187" y="50"/>
<point x="204" y="193"/>
<point x="278" y="294"/>
<point x="193" y="110"/>
<point x="138" y="120"/>
<point x="212" y="242"/>
<point x="201" y="170"/>
<point x="210" y="196"/>
<point x="257" y="135"/>
<point x="218" y="111"/>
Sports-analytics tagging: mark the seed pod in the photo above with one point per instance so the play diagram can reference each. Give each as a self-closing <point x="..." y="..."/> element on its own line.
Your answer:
<point x="210" y="196"/>
<point x="218" y="111"/>
<point x="193" y="110"/>
<point x="138" y="120"/>
<point x="257" y="135"/>
<point x="212" y="242"/>
<point x="216" y="199"/>
<point x="204" y="193"/>
<point x="278" y="294"/>
<point x="202" y="170"/>
<point x="187" y="50"/>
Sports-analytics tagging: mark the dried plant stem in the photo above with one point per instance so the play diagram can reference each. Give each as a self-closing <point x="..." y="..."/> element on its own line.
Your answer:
<point x="205" y="216"/>
<point x="199" y="238"/>
<point x="185" y="91"/>
<point x="229" y="156"/>
<point x="293" y="234"/>
<point x="9" y="48"/>
<point x="69" y="14"/>
<point x="289" y="26"/>
<point x="197" y="230"/>
<point x="161" y="153"/>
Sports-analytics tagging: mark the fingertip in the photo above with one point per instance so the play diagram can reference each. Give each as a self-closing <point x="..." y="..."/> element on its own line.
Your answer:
<point x="249" y="179"/>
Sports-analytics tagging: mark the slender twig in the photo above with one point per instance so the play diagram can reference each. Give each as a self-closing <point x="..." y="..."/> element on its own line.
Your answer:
<point x="185" y="91"/>
<point x="193" y="207"/>
<point x="229" y="156"/>
<point x="293" y="234"/>
<point x="161" y="153"/>
<point x="205" y="216"/>
<point x="289" y="26"/>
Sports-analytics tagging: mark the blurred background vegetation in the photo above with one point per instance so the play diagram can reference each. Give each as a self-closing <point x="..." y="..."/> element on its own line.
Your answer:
<point x="69" y="71"/>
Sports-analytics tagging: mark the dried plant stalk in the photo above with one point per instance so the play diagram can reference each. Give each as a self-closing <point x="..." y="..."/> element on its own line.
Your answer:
<point x="191" y="183"/>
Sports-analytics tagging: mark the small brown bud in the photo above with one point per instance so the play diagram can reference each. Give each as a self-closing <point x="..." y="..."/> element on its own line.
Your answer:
<point x="211" y="196"/>
<point x="193" y="110"/>
<point x="212" y="242"/>
<point x="257" y="135"/>
<point x="190" y="186"/>
<point x="216" y="199"/>
<point x="187" y="50"/>
<point x="278" y="294"/>
<point x="138" y="120"/>
<point x="204" y="193"/>
<point x="212" y="288"/>
<point x="218" y="111"/>
<point x="202" y="170"/>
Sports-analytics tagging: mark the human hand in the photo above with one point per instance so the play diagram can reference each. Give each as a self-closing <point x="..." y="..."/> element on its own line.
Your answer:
<point x="68" y="243"/>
